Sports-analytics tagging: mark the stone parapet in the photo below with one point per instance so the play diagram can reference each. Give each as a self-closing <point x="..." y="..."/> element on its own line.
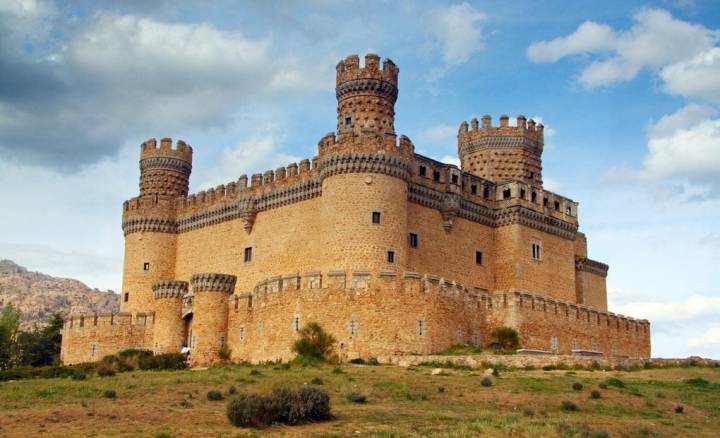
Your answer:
<point x="213" y="282"/>
<point x="170" y="289"/>
<point x="588" y="265"/>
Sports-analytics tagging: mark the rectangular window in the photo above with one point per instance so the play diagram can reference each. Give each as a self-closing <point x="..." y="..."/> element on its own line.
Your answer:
<point x="473" y="189"/>
<point x="248" y="254"/>
<point x="522" y="193"/>
<point x="454" y="179"/>
<point x="348" y="121"/>
<point x="296" y="323"/>
<point x="533" y="197"/>
<point x="93" y="349"/>
<point x="413" y="240"/>
<point x="436" y="176"/>
<point x="486" y="192"/>
<point x="126" y="297"/>
<point x="553" y="344"/>
<point x="146" y="266"/>
<point x="545" y="202"/>
<point x="352" y="327"/>
<point x="222" y="341"/>
<point x="557" y="205"/>
<point x="376" y="217"/>
<point x="420" y="327"/>
<point x="478" y="257"/>
<point x="242" y="333"/>
<point x="536" y="251"/>
<point x="391" y="256"/>
<point x="423" y="170"/>
<point x="506" y="194"/>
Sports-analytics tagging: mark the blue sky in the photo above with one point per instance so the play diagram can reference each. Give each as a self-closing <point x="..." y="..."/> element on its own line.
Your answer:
<point x="629" y="93"/>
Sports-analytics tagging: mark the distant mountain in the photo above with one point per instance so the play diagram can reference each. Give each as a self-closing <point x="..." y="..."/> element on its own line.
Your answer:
<point x="39" y="295"/>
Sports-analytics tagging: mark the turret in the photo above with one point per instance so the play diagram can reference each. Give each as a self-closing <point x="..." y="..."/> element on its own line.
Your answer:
<point x="164" y="170"/>
<point x="366" y="95"/>
<point x="502" y="153"/>
<point x="169" y="333"/>
<point x="210" y="315"/>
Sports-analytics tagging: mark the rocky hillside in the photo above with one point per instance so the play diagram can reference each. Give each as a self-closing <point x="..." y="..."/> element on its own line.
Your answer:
<point x="39" y="295"/>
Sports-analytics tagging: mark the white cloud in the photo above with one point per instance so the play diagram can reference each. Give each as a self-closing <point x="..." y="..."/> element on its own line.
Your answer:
<point x="450" y="159"/>
<point x="551" y="184"/>
<point x="698" y="77"/>
<point x="710" y="340"/>
<point x="457" y="28"/>
<point x="253" y="155"/>
<point x="684" y="145"/>
<point x="119" y="75"/>
<point x="655" y="40"/>
<point x="691" y="308"/>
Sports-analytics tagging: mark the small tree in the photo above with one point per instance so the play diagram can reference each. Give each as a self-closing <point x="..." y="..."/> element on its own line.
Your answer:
<point x="505" y="339"/>
<point x="314" y="342"/>
<point x="9" y="325"/>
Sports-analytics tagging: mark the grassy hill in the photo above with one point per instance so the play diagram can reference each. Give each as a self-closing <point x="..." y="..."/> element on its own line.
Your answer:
<point x="401" y="402"/>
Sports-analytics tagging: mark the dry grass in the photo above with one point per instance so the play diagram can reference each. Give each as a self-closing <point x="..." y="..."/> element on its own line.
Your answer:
<point x="520" y="403"/>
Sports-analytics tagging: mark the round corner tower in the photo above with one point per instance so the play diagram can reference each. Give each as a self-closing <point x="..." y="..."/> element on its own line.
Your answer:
<point x="365" y="171"/>
<point x="169" y="331"/>
<point x="210" y="315"/>
<point x="501" y="153"/>
<point x="149" y="221"/>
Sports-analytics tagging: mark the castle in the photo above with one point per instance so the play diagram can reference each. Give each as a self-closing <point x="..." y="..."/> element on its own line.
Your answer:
<point x="390" y="251"/>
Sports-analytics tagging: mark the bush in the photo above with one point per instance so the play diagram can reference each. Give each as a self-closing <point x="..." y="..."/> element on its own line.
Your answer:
<point x="528" y="412"/>
<point x="337" y="370"/>
<point x="185" y="404"/>
<point x="441" y="389"/>
<point x="357" y="397"/>
<point x="506" y="339"/>
<point x="314" y="342"/>
<point x="248" y="410"/>
<point x="679" y="409"/>
<point x="548" y="367"/>
<point x="317" y="381"/>
<point x="78" y="376"/>
<point x="105" y="370"/>
<point x="602" y="385"/>
<point x="595" y="394"/>
<point x="577" y="386"/>
<point x="109" y="393"/>
<point x="147" y="362"/>
<point x="232" y="390"/>
<point x="598" y="434"/>
<point x="415" y="395"/>
<point x="373" y="361"/>
<point x="282" y="405"/>
<point x="358" y="361"/>
<point x="698" y="381"/>
<point x="614" y="381"/>
<point x="171" y="361"/>
<point x="568" y="406"/>
<point x="255" y="372"/>
<point x="487" y="381"/>
<point x="214" y="395"/>
<point x="224" y="353"/>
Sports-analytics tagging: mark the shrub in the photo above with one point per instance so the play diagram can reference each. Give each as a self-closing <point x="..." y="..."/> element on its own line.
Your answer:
<point x="602" y="385"/>
<point x="147" y="362"/>
<point x="232" y="390"/>
<point x="487" y="381"/>
<point x="214" y="395"/>
<point x="595" y="394"/>
<point x="170" y="361"/>
<point x="317" y="381"/>
<point x="282" y="405"/>
<point x="528" y="412"/>
<point x="679" y="409"/>
<point x="248" y="410"/>
<point x="577" y="386"/>
<point x="505" y="339"/>
<point x="548" y="367"/>
<point x="598" y="434"/>
<point x="614" y="381"/>
<point x="415" y="395"/>
<point x="255" y="372"/>
<point x="78" y="376"/>
<point x="358" y="361"/>
<point x="314" y="342"/>
<point x="562" y="366"/>
<point x="698" y="381"/>
<point x="356" y="397"/>
<point x="224" y="353"/>
<point x="441" y="389"/>
<point x="337" y="370"/>
<point x="373" y="361"/>
<point x="109" y="393"/>
<point x="124" y="366"/>
<point x="568" y="406"/>
<point x="185" y="404"/>
<point x="105" y="370"/>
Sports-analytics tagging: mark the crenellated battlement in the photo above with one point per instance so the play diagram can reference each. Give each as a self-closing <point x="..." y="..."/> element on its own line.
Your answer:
<point x="151" y="149"/>
<point x="86" y="321"/>
<point x="349" y="69"/>
<point x="525" y="133"/>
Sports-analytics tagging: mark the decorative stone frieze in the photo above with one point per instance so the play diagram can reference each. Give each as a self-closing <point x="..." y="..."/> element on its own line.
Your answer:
<point x="170" y="289"/>
<point x="213" y="282"/>
<point x="149" y="225"/>
<point x="387" y="164"/>
<point x="588" y="265"/>
<point x="367" y="85"/>
<point x="166" y="163"/>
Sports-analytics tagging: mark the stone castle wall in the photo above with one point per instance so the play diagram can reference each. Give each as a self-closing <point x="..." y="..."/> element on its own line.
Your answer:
<point x="87" y="338"/>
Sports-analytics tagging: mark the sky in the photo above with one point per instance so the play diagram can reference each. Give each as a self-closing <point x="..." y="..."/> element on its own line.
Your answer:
<point x="629" y="92"/>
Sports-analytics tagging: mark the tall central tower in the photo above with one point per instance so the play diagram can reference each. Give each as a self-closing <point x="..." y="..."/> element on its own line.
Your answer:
<point x="365" y="171"/>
